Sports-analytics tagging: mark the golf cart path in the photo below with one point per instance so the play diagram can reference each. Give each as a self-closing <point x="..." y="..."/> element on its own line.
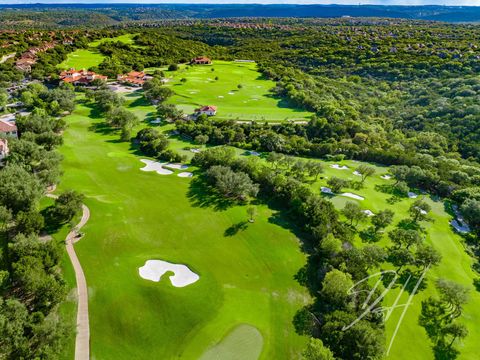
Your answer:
<point x="82" y="340"/>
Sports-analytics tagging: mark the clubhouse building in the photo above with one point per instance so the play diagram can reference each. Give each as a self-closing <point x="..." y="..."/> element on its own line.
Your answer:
<point x="208" y="110"/>
<point x="80" y="77"/>
<point x="133" y="78"/>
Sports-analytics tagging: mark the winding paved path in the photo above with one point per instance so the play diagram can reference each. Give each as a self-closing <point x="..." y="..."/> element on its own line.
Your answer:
<point x="82" y="341"/>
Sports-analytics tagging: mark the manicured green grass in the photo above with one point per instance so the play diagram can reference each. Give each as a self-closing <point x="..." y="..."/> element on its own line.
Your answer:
<point x="87" y="58"/>
<point x="82" y="59"/>
<point x="411" y="341"/>
<point x="252" y="102"/>
<point x="243" y="343"/>
<point x="246" y="277"/>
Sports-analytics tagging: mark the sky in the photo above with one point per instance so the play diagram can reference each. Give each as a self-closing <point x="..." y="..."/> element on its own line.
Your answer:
<point x="344" y="2"/>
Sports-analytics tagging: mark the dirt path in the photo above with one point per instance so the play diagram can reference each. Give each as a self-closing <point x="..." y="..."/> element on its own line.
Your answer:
<point x="82" y="341"/>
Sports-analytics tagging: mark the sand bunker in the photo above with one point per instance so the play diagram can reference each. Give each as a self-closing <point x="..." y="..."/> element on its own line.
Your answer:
<point x="368" y="212"/>
<point x="412" y="195"/>
<point x="353" y="196"/>
<point x="326" y="190"/>
<point x="151" y="165"/>
<point x="176" y="166"/>
<point x="338" y="167"/>
<point x="356" y="173"/>
<point x="185" y="174"/>
<point x="156" y="121"/>
<point x="154" y="269"/>
<point x="231" y="93"/>
<point x="220" y="96"/>
<point x="195" y="151"/>
<point x="386" y="177"/>
<point x="254" y="153"/>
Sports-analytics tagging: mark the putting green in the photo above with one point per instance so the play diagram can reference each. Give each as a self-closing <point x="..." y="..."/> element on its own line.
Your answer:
<point x="242" y="343"/>
<point x="253" y="101"/>
<point x="247" y="270"/>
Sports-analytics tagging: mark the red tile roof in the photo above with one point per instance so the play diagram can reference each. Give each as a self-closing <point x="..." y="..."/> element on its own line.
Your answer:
<point x="6" y="127"/>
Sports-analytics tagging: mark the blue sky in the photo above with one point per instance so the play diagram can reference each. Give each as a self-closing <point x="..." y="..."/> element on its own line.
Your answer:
<point x="345" y="2"/>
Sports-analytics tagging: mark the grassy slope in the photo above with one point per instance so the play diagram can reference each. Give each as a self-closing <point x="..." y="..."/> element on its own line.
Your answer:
<point x="411" y="341"/>
<point x="87" y="58"/>
<point x="136" y="216"/>
<point x="252" y="102"/>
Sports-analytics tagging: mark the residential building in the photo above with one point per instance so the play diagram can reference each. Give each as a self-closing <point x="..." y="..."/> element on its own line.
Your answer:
<point x="8" y="129"/>
<point x="202" y="60"/>
<point x="134" y="78"/>
<point x="80" y="77"/>
<point x="208" y="110"/>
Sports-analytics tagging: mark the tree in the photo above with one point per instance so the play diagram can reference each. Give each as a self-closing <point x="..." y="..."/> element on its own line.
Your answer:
<point x="314" y="168"/>
<point x="201" y="139"/>
<point x="235" y="185"/>
<point x="426" y="255"/>
<point x="335" y="287"/>
<point x="453" y="295"/>
<point x="400" y="257"/>
<point x="330" y="246"/>
<point x="5" y="217"/>
<point x="365" y="171"/>
<point x="382" y="219"/>
<point x="151" y="141"/>
<point x="107" y="99"/>
<point x="67" y="205"/>
<point x="455" y="331"/>
<point x="123" y="119"/>
<point x="252" y="213"/>
<point x="337" y="184"/>
<point x="419" y="210"/>
<point x="173" y="67"/>
<point x="169" y="111"/>
<point x="315" y="350"/>
<point x="471" y="212"/>
<point x="353" y="212"/>
<point x="402" y="237"/>
<point x="29" y="222"/>
<point x="19" y="190"/>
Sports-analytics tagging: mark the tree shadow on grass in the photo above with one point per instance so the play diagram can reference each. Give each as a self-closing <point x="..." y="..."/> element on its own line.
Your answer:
<point x="141" y="101"/>
<point x="202" y="195"/>
<point x="235" y="229"/>
<point x="102" y="128"/>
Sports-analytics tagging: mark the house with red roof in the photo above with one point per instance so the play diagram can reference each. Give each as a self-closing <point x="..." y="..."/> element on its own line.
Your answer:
<point x="208" y="110"/>
<point x="201" y="60"/>
<point x="80" y="77"/>
<point x="134" y="78"/>
<point x="8" y="129"/>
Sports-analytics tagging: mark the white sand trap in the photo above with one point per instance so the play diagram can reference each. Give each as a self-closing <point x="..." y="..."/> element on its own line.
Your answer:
<point x="155" y="166"/>
<point x="195" y="151"/>
<point x="386" y="177"/>
<point x="338" y="167"/>
<point x="176" y="166"/>
<point x="326" y="190"/>
<point x="154" y="269"/>
<point x="368" y="212"/>
<point x="156" y="121"/>
<point x="185" y="174"/>
<point x="220" y="96"/>
<point x="231" y="93"/>
<point x="460" y="227"/>
<point x="353" y="196"/>
<point x="412" y="195"/>
<point x="356" y="173"/>
<point x="254" y="153"/>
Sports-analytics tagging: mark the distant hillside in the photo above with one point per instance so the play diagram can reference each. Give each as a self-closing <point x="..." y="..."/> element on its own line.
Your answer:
<point x="44" y="15"/>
